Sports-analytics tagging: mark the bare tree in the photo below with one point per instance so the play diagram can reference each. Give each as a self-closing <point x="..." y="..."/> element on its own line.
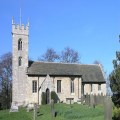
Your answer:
<point x="69" y="55"/>
<point x="97" y="62"/>
<point x="50" y="55"/>
<point x="5" y="80"/>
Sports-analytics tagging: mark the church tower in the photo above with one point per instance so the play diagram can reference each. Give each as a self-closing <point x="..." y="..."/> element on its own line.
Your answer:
<point x="20" y="35"/>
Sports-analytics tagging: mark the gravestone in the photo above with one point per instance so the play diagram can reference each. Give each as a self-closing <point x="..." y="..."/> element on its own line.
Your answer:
<point x="14" y="107"/>
<point x="107" y="108"/>
<point x="30" y="106"/>
<point x="87" y="100"/>
<point x="52" y="108"/>
<point x="92" y="102"/>
<point x="35" y="111"/>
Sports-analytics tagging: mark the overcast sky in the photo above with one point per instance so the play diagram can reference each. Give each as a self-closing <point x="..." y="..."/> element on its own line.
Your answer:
<point x="91" y="27"/>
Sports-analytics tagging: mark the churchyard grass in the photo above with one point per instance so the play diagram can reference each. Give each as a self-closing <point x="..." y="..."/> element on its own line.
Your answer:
<point x="63" y="112"/>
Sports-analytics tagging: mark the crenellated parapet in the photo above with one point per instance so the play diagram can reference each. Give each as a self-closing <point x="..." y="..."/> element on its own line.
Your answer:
<point x="20" y="29"/>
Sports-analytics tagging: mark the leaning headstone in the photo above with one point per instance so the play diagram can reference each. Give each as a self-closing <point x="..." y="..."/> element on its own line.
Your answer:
<point x="52" y="108"/>
<point x="107" y="108"/>
<point x="14" y="107"/>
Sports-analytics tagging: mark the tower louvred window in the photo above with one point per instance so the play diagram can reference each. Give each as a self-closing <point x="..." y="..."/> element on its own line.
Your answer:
<point x="20" y="44"/>
<point x="20" y="61"/>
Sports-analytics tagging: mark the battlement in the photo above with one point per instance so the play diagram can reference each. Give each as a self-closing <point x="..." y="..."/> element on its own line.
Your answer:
<point x="17" y="27"/>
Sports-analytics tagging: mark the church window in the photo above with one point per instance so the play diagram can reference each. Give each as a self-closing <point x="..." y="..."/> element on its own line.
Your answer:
<point x="91" y="87"/>
<point x="20" y="61"/>
<point x="58" y="86"/>
<point x="72" y="85"/>
<point x="20" y="44"/>
<point x="34" y="86"/>
<point x="99" y="87"/>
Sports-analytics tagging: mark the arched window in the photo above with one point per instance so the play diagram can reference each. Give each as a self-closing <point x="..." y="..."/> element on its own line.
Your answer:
<point x="20" y="61"/>
<point x="20" y="44"/>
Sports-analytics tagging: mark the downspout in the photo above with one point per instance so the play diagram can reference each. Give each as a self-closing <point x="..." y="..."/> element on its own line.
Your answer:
<point x="78" y="88"/>
<point x="38" y="90"/>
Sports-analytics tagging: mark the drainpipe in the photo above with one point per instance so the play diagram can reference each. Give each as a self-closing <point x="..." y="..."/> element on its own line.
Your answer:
<point x="38" y="90"/>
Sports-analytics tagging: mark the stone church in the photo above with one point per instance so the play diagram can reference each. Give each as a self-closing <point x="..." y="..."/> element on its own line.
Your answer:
<point x="32" y="78"/>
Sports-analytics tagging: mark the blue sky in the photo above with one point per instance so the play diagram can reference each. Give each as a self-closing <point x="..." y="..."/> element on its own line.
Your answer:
<point x="91" y="27"/>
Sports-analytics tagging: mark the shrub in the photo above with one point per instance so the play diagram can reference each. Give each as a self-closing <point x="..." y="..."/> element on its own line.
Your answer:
<point x="43" y="98"/>
<point x="116" y="112"/>
<point x="54" y="96"/>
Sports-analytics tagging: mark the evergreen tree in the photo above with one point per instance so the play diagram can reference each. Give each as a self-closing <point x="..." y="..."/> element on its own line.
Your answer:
<point x="115" y="81"/>
<point x="115" y="86"/>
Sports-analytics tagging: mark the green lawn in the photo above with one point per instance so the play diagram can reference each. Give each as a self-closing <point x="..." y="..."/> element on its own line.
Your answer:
<point x="64" y="112"/>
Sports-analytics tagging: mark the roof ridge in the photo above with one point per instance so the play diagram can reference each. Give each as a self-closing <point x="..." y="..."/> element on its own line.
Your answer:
<point x="54" y="62"/>
<point x="65" y="63"/>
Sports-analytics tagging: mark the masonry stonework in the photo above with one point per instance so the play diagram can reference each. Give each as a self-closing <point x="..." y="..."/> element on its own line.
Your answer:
<point x="19" y="72"/>
<point x="47" y="74"/>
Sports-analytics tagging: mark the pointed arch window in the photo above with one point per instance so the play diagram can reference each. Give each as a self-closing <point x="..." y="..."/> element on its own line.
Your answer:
<point x="20" y="61"/>
<point x="20" y="44"/>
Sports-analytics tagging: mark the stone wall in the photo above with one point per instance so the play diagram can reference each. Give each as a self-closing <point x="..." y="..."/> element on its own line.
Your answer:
<point x="52" y="86"/>
<point x="95" y="91"/>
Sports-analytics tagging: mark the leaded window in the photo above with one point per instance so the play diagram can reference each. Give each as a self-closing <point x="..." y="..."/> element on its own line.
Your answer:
<point x="34" y="86"/>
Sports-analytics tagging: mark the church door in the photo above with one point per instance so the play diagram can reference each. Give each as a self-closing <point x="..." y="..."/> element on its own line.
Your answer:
<point x="47" y="96"/>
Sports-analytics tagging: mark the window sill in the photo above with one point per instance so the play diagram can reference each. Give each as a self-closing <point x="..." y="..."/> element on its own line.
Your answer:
<point x="72" y="93"/>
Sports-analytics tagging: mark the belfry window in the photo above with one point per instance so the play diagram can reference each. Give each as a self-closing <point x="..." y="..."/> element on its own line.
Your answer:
<point x="72" y="85"/>
<point x="20" y="44"/>
<point x="20" y="61"/>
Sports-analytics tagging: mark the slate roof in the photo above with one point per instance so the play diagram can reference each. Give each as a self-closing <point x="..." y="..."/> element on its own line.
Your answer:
<point x="89" y="73"/>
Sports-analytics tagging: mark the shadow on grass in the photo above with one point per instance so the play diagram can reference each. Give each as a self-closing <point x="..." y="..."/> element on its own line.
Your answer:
<point x="40" y="114"/>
